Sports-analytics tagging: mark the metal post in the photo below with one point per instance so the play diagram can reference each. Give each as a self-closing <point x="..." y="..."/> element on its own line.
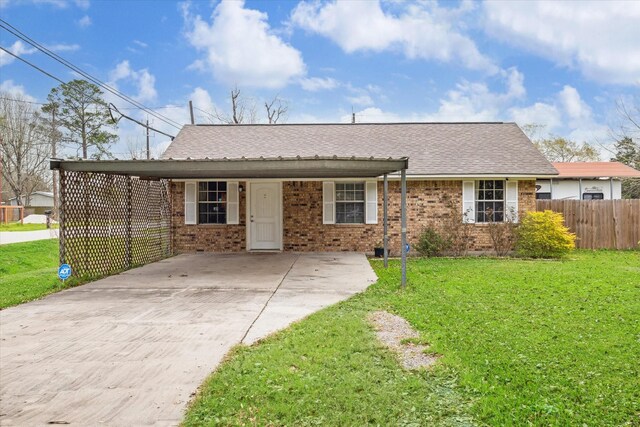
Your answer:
<point x="191" y="112"/>
<point x="580" y="189"/>
<point x="385" y="220"/>
<point x="61" y="216"/>
<point x="403" y="225"/>
<point x="551" y="188"/>
<point x="127" y="248"/>
<point x="611" y="188"/>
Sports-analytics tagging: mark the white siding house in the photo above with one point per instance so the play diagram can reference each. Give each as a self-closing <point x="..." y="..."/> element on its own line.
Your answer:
<point x="585" y="181"/>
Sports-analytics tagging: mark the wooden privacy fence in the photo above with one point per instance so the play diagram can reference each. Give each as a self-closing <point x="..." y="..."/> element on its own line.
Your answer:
<point x="109" y="223"/>
<point x="599" y="224"/>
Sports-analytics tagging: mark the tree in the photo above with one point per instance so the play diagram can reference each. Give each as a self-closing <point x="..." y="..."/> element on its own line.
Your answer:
<point x="276" y="110"/>
<point x="84" y="115"/>
<point x="24" y="147"/>
<point x="244" y="111"/>
<point x="627" y="151"/>
<point x="564" y="150"/>
<point x="627" y="147"/>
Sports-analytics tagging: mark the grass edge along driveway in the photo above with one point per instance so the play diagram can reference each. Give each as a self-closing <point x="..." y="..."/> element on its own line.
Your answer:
<point x="29" y="271"/>
<point x="523" y="342"/>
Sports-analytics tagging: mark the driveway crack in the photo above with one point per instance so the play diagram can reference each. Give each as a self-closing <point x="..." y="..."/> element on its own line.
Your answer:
<point x="270" y="297"/>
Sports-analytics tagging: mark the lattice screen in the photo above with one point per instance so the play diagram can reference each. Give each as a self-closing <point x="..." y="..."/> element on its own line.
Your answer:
<point x="109" y="223"/>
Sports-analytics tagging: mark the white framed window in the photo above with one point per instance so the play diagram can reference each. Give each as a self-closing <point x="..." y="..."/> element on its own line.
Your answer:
<point x="211" y="202"/>
<point x="490" y="200"/>
<point x="350" y="202"/>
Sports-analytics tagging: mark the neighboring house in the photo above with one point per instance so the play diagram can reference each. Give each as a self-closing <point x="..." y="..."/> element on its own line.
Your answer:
<point x="585" y="181"/>
<point x="39" y="201"/>
<point x="473" y="166"/>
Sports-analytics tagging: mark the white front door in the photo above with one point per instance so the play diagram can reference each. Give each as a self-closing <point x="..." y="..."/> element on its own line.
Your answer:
<point x="264" y="215"/>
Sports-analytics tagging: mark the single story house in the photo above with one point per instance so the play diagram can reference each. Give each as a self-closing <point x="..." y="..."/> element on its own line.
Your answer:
<point x="39" y="201"/>
<point x="471" y="166"/>
<point x="296" y="187"/>
<point x="586" y="181"/>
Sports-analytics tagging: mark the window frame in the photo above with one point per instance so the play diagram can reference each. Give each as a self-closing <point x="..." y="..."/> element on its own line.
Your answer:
<point x="601" y="194"/>
<point x="363" y="202"/>
<point x="224" y="202"/>
<point x="480" y="214"/>
<point x="545" y="193"/>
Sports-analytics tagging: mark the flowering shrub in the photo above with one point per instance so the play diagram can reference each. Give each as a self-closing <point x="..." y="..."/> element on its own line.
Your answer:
<point x="544" y="235"/>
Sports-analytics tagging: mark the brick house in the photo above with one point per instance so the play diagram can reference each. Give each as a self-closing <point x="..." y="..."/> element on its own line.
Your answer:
<point x="453" y="169"/>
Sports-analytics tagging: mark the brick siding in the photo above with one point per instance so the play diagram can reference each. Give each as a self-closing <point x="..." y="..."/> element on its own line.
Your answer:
<point x="302" y="219"/>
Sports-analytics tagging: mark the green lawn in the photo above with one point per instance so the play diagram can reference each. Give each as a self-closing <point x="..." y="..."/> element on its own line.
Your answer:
<point x="522" y="342"/>
<point x="28" y="271"/>
<point x="16" y="226"/>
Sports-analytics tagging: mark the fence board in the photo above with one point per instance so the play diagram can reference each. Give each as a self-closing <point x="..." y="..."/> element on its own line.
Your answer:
<point x="599" y="224"/>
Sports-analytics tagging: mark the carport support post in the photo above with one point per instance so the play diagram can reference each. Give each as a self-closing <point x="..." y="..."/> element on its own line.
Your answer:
<point x="403" y="225"/>
<point x="127" y="242"/>
<point x="62" y="225"/>
<point x="385" y="220"/>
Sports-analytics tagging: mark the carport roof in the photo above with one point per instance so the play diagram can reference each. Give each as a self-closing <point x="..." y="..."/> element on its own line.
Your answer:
<point x="277" y="167"/>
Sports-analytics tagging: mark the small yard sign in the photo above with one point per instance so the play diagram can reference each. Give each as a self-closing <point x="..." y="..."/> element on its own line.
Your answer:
<point x="64" y="272"/>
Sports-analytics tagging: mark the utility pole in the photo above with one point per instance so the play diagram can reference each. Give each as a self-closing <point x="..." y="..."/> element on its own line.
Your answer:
<point x="148" y="156"/>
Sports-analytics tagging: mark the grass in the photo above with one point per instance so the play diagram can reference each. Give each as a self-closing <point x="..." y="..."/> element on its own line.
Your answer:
<point x="523" y="342"/>
<point x="29" y="271"/>
<point x="16" y="226"/>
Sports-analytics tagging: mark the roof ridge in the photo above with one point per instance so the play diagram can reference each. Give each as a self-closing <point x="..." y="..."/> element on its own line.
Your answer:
<point x="343" y="124"/>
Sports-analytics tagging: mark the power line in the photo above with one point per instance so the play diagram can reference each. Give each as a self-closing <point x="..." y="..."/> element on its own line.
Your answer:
<point x="13" y="30"/>
<point x="160" y="107"/>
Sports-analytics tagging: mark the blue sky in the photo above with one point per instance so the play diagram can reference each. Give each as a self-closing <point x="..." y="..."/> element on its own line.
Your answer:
<point x="561" y="65"/>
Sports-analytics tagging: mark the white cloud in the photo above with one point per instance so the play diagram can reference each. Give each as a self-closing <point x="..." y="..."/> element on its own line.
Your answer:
<point x="15" y="90"/>
<point x="62" y="47"/>
<point x="142" y="79"/>
<point x="360" y="100"/>
<point x="315" y="84"/>
<point x="17" y="48"/>
<point x="598" y="38"/>
<point x="241" y="48"/>
<point x="419" y="31"/>
<point x="141" y="44"/>
<point x="83" y="4"/>
<point x="85" y="21"/>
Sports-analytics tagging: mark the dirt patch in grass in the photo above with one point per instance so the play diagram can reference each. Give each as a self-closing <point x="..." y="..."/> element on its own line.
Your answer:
<point x="397" y="334"/>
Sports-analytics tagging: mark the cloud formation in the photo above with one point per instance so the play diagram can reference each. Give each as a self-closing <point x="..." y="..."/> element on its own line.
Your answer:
<point x="419" y="31"/>
<point x="598" y="38"/>
<point x="142" y="79"/>
<point x="240" y="47"/>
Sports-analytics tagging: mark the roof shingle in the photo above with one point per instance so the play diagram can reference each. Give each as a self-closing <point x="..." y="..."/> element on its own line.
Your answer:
<point x="456" y="149"/>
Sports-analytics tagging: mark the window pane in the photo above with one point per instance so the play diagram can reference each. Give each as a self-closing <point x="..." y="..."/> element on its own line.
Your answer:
<point x="499" y="194"/>
<point x="350" y="213"/>
<point x="499" y="185"/>
<point x="488" y="195"/>
<point x="488" y="185"/>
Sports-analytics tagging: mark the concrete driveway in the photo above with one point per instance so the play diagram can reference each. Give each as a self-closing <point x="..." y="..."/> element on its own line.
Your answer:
<point x="8" y="237"/>
<point x="132" y="349"/>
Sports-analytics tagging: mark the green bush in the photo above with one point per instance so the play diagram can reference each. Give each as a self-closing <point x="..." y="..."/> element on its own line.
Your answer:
<point x="431" y="243"/>
<point x="544" y="235"/>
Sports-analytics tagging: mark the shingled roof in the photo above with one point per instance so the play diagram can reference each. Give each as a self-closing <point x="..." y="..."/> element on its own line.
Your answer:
<point x="445" y="149"/>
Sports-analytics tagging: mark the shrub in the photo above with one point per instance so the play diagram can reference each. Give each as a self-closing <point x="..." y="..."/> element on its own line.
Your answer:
<point x="456" y="229"/>
<point x="430" y="243"/>
<point x="543" y="235"/>
<point x="502" y="232"/>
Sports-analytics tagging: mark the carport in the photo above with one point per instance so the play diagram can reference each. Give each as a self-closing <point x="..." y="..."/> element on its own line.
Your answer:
<point x="114" y="213"/>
